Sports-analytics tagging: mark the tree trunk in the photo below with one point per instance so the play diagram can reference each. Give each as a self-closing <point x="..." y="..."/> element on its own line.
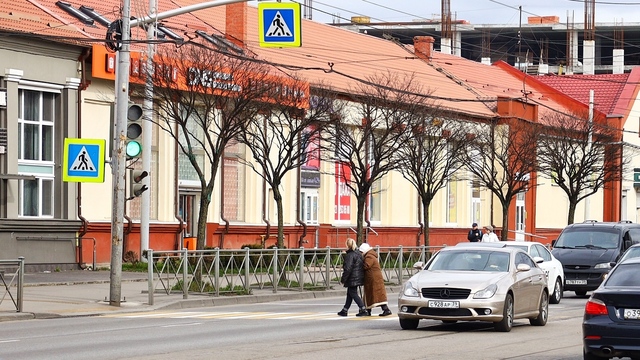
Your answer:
<point x="571" y="217"/>
<point x="425" y="221"/>
<point x="205" y="201"/>
<point x="504" y="235"/>
<point x="360" y="221"/>
<point x="277" y="197"/>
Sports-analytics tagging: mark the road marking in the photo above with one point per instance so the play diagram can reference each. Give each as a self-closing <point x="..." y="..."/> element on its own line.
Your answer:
<point x="9" y="341"/>
<point x="257" y="315"/>
<point x="177" y="325"/>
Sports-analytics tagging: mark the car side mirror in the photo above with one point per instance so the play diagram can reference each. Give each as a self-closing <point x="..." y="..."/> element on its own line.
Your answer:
<point x="553" y="242"/>
<point x="523" y="267"/>
<point x="627" y="244"/>
<point x="538" y="260"/>
<point x="419" y="265"/>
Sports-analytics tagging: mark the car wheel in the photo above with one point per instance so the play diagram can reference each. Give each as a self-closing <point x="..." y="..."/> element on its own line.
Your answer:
<point x="449" y="321"/>
<point x="506" y="323"/>
<point x="409" y="324"/>
<point x="581" y="293"/>
<point x="557" y="292"/>
<point x="543" y="311"/>
<point x="590" y="356"/>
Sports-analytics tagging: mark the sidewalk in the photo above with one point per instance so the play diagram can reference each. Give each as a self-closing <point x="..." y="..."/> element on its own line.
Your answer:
<point x="86" y="293"/>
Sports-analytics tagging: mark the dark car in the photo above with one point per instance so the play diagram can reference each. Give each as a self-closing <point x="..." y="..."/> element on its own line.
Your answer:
<point x="589" y="250"/>
<point x="611" y="325"/>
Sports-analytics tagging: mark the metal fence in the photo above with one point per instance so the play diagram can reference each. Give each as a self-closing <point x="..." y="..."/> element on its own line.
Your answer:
<point x="221" y="272"/>
<point x="12" y="279"/>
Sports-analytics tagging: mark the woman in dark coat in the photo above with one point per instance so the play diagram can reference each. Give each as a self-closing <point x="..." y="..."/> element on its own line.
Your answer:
<point x="375" y="293"/>
<point x="352" y="277"/>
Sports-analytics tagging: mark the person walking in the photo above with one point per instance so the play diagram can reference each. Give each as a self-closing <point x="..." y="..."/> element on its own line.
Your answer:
<point x="352" y="277"/>
<point x="474" y="235"/>
<point x="375" y="293"/>
<point x="489" y="235"/>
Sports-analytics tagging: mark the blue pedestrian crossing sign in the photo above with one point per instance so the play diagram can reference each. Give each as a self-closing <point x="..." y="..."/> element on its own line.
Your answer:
<point x="279" y="24"/>
<point x="83" y="160"/>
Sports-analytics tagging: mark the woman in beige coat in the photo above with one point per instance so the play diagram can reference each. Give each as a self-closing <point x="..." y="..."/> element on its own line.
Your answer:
<point x="375" y="293"/>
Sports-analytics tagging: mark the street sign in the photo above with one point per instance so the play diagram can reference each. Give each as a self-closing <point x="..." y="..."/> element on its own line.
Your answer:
<point x="83" y="160"/>
<point x="279" y="24"/>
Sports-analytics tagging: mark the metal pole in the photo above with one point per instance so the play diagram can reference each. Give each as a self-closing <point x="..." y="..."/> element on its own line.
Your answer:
<point x="118" y="158"/>
<point x="185" y="286"/>
<point x="150" y="275"/>
<point x="147" y="136"/>
<point x="587" y="202"/>
<point x="20" y="282"/>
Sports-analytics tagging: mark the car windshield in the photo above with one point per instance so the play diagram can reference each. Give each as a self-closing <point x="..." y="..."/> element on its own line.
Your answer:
<point x="624" y="275"/>
<point x="631" y="253"/>
<point x="470" y="261"/>
<point x="588" y="237"/>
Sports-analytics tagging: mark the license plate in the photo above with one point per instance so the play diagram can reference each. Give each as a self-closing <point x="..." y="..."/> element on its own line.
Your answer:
<point x="633" y="314"/>
<point x="576" y="282"/>
<point x="444" y="304"/>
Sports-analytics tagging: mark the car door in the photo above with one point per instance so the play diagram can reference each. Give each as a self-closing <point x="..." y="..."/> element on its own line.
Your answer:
<point x="531" y="283"/>
<point x="550" y="267"/>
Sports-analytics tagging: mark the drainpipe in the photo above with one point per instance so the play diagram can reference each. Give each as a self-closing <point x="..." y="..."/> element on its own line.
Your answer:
<point x="176" y="198"/>
<point x="420" y="232"/>
<point x="301" y="241"/>
<point x="265" y="199"/>
<point x="226" y="222"/>
<point x="83" y="86"/>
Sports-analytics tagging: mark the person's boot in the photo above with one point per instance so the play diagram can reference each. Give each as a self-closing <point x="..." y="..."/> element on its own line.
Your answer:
<point x="385" y="311"/>
<point x="343" y="312"/>
<point x="363" y="312"/>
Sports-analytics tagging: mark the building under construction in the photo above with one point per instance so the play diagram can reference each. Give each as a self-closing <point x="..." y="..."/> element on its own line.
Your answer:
<point x="537" y="45"/>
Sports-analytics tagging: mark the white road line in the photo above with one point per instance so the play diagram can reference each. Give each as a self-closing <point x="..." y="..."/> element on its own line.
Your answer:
<point x="9" y="341"/>
<point x="179" y="325"/>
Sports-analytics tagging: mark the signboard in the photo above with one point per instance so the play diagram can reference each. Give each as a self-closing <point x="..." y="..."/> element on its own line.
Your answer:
<point x="83" y="160"/>
<point x="279" y="24"/>
<point x="342" y="207"/>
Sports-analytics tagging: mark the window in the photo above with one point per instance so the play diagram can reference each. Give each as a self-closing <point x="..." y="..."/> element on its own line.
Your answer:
<point x="234" y="189"/>
<point x="37" y="114"/>
<point x="375" y="201"/>
<point x="452" y="194"/>
<point x="309" y="207"/>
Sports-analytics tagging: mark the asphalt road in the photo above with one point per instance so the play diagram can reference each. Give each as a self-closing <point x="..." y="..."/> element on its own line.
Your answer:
<point x="301" y="329"/>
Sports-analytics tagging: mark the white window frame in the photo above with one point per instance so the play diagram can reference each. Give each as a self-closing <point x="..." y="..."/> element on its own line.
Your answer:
<point x="42" y="170"/>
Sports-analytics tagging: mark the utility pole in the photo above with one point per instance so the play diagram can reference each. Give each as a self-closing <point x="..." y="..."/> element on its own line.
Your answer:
<point x="587" y="202"/>
<point x="118" y="158"/>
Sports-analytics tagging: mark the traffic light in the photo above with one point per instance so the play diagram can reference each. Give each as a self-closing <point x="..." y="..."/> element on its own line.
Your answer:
<point x="134" y="131"/>
<point x="136" y="186"/>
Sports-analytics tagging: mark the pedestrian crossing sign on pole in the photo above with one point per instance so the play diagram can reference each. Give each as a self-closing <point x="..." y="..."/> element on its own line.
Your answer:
<point x="83" y="160"/>
<point x="279" y="24"/>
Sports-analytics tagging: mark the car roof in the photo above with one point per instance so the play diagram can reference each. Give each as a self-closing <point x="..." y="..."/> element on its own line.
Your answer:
<point x="595" y="224"/>
<point x="632" y="260"/>
<point x="499" y="246"/>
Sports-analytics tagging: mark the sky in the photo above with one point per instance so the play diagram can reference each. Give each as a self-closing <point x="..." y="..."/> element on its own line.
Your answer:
<point x="473" y="11"/>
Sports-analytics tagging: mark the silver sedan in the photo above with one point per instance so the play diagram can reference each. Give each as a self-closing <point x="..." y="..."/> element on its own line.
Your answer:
<point x="476" y="282"/>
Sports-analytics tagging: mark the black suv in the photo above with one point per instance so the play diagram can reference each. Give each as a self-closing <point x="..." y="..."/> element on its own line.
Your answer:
<point x="589" y="250"/>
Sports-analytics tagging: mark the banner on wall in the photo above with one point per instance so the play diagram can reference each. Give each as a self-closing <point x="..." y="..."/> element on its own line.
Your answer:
<point x="342" y="208"/>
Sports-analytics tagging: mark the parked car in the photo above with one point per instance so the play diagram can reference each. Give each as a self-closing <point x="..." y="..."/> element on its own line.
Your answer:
<point x="589" y="250"/>
<point x="611" y="323"/>
<point x="551" y="266"/>
<point x="633" y="251"/>
<point x="476" y="282"/>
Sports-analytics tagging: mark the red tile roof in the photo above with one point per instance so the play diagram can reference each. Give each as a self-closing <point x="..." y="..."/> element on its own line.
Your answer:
<point x="607" y="88"/>
<point x="328" y="55"/>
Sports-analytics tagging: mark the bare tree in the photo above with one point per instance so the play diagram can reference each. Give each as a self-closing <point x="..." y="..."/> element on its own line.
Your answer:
<point x="203" y="99"/>
<point x="502" y="158"/>
<point x="367" y="136"/>
<point x="432" y="153"/>
<point x="279" y="136"/>
<point x="580" y="156"/>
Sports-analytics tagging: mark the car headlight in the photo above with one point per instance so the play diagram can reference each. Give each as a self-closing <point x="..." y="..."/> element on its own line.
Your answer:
<point x="409" y="290"/>
<point x="603" y="266"/>
<point x="487" y="292"/>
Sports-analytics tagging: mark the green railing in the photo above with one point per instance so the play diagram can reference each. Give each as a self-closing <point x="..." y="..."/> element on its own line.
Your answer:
<point x="221" y="272"/>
